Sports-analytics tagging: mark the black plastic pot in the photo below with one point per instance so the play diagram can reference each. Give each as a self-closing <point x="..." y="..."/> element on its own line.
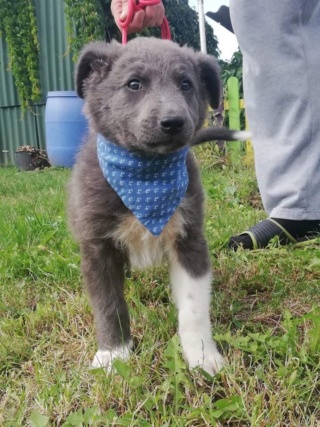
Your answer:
<point x="23" y="160"/>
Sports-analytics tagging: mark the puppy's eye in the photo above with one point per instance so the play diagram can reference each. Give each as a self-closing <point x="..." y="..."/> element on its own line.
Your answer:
<point x="186" y="85"/>
<point x="134" y="84"/>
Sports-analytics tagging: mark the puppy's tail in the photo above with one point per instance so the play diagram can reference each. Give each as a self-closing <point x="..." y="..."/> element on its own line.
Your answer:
<point x="219" y="134"/>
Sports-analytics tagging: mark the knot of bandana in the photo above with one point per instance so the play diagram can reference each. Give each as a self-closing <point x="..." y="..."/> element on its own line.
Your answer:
<point x="151" y="187"/>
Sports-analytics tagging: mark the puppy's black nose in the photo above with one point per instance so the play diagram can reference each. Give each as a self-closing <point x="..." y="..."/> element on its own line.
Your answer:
<point x="172" y="125"/>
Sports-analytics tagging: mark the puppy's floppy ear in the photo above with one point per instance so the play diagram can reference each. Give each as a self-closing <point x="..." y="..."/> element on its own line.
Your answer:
<point x="95" y="57"/>
<point x="210" y="76"/>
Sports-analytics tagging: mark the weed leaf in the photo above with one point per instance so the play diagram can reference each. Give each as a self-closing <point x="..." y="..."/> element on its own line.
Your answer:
<point x="38" y="420"/>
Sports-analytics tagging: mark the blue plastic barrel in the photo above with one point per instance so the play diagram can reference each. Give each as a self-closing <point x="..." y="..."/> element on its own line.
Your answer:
<point x="66" y="127"/>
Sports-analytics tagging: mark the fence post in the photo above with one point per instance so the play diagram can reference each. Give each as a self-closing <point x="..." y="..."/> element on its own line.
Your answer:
<point x="235" y="147"/>
<point x="249" y="155"/>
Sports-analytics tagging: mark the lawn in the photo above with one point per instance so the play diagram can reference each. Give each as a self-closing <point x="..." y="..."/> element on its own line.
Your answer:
<point x="265" y="312"/>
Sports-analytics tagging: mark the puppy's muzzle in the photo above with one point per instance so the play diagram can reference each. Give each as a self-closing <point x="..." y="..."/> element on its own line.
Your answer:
<point x="172" y="125"/>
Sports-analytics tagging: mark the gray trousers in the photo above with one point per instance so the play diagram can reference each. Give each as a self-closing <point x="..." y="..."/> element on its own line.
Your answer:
<point x="280" y="42"/>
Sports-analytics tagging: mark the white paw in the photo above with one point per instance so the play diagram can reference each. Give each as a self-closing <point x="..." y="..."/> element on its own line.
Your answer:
<point x="205" y="356"/>
<point x="192" y="296"/>
<point x="105" y="358"/>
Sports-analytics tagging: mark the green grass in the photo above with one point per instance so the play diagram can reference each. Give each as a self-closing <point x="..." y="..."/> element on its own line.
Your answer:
<point x="265" y="312"/>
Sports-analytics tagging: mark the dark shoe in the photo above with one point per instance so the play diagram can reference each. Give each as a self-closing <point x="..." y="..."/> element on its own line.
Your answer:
<point x="259" y="236"/>
<point x="288" y="231"/>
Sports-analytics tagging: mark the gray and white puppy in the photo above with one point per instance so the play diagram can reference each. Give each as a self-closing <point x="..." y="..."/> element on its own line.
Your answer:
<point x="149" y="96"/>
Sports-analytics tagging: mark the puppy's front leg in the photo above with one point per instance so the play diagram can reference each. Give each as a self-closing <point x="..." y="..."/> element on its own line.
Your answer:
<point x="190" y="275"/>
<point x="103" y="271"/>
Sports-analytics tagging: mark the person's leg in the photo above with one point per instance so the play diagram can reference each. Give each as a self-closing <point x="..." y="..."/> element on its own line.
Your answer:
<point x="282" y="95"/>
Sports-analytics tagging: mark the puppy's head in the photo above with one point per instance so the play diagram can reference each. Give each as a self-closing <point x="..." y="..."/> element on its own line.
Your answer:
<point x="149" y="95"/>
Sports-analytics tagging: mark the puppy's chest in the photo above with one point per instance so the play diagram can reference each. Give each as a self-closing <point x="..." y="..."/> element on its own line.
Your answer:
<point x="143" y="248"/>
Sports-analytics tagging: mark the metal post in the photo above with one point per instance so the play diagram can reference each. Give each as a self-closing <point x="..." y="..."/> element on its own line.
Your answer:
<point x="203" y="43"/>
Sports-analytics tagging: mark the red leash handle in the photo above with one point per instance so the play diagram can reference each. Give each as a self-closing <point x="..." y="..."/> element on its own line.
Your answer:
<point x="132" y="8"/>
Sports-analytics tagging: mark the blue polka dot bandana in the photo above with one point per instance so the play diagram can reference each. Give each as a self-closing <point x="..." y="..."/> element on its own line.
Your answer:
<point x="151" y="187"/>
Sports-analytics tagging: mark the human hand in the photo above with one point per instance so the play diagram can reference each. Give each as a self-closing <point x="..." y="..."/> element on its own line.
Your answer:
<point x="151" y="16"/>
